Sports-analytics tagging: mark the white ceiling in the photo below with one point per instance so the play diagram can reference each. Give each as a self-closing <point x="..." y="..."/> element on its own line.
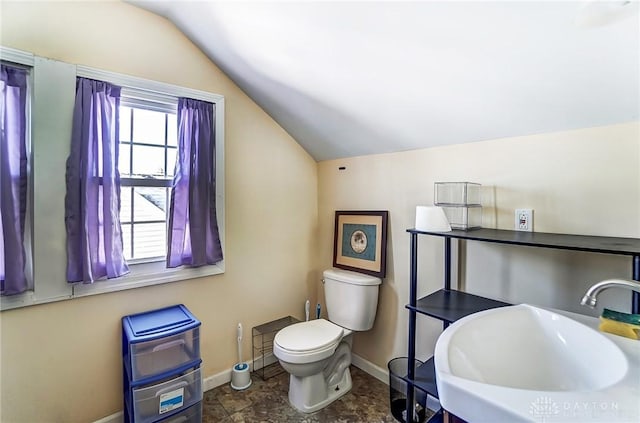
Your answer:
<point x="357" y="78"/>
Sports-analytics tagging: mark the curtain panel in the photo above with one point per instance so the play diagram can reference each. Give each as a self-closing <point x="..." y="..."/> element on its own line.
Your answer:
<point x="13" y="179"/>
<point x="193" y="228"/>
<point x="92" y="202"/>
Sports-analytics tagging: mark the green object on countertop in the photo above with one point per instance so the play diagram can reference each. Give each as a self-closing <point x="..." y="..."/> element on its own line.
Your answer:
<point x="632" y="319"/>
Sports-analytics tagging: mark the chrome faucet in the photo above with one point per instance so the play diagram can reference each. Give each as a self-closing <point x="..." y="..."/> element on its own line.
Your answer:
<point x="589" y="298"/>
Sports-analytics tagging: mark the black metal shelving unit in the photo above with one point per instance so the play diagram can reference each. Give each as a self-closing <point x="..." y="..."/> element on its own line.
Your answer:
<point x="449" y="305"/>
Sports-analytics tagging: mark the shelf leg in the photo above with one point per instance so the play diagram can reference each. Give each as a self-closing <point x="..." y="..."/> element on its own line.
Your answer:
<point x="411" y="350"/>
<point x="447" y="263"/>
<point x="447" y="270"/>
<point x="635" y="299"/>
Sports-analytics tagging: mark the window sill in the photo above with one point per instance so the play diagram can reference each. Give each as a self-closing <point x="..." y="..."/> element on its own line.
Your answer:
<point x="146" y="274"/>
<point x="27" y="299"/>
<point x="141" y="275"/>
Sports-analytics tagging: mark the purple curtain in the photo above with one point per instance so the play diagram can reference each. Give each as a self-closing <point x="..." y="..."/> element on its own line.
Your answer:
<point x="13" y="179"/>
<point x="193" y="226"/>
<point x="92" y="203"/>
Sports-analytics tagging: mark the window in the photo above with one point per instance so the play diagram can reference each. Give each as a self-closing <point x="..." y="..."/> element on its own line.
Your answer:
<point x="148" y="149"/>
<point x="146" y="164"/>
<point x="15" y="99"/>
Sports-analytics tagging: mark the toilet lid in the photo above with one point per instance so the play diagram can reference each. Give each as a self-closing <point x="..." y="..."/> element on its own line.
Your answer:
<point x="308" y="336"/>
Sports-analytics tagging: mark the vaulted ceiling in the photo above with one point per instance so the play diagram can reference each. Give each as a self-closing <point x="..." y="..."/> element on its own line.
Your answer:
<point x="357" y="78"/>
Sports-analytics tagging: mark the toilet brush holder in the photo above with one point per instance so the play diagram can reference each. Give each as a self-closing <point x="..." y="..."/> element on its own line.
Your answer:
<point x="240" y="377"/>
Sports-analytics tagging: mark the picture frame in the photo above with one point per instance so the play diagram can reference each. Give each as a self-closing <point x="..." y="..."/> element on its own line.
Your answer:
<point x="360" y="241"/>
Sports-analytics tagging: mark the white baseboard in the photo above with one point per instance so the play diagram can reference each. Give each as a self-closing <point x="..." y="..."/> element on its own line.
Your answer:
<point x="224" y="377"/>
<point x="114" y="418"/>
<point x="368" y="367"/>
<point x="219" y="379"/>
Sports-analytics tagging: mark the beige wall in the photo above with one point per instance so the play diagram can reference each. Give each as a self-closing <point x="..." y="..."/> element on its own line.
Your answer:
<point x="580" y="182"/>
<point x="61" y="361"/>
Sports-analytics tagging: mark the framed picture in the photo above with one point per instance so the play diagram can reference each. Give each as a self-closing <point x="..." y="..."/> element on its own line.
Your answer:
<point x="360" y="242"/>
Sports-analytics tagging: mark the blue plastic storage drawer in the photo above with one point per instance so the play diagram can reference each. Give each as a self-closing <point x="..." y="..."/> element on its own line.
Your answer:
<point x="192" y="414"/>
<point x="160" y="340"/>
<point x="151" y="403"/>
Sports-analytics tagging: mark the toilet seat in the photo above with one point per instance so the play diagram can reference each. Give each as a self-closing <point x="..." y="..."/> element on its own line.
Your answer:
<point x="307" y="342"/>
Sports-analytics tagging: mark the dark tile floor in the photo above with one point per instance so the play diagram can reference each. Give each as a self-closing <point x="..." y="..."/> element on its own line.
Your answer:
<point x="267" y="401"/>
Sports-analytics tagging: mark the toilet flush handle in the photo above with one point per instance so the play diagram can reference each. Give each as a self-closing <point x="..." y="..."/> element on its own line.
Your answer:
<point x="322" y="280"/>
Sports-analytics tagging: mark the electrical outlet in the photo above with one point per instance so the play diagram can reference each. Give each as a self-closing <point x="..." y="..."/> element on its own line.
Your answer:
<point x="524" y="220"/>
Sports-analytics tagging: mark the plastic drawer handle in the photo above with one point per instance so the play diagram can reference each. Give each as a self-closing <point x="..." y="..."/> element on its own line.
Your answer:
<point x="172" y="387"/>
<point x="168" y="345"/>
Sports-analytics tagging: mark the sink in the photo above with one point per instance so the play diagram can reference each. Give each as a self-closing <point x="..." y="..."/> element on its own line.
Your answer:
<point x="531" y="348"/>
<point x="524" y="363"/>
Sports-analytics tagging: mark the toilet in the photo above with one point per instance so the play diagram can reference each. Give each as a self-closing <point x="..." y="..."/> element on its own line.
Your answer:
<point x="317" y="353"/>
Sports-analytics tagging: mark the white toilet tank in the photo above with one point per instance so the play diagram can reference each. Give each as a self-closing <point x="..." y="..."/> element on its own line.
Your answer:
<point x="351" y="298"/>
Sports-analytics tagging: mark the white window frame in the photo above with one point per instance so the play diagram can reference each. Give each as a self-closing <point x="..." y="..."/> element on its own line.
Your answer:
<point x="132" y="182"/>
<point x="48" y="234"/>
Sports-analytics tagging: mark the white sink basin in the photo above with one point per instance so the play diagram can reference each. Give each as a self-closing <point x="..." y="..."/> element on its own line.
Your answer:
<point x="523" y="363"/>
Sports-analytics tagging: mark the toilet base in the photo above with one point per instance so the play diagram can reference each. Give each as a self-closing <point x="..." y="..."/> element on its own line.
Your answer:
<point x="311" y="393"/>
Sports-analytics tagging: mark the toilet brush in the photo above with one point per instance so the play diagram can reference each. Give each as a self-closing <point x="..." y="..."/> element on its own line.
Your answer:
<point x="240" y="344"/>
<point x="240" y="377"/>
